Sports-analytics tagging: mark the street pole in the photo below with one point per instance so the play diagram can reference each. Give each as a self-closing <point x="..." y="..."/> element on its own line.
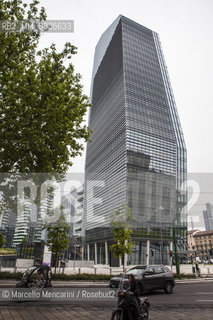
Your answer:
<point x="74" y="243"/>
<point x="161" y="235"/>
<point x="175" y="251"/>
<point x="161" y="210"/>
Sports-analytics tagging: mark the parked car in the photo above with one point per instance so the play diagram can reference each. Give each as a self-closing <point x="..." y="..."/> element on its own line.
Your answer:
<point x="149" y="277"/>
<point x="36" y="276"/>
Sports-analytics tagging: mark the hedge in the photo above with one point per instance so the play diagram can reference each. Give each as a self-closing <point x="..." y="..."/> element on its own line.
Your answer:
<point x="6" y="252"/>
<point x="185" y="276"/>
<point x="5" y="275"/>
<point x="84" y="276"/>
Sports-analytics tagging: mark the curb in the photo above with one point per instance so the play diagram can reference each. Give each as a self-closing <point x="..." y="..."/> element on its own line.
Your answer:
<point x="93" y="284"/>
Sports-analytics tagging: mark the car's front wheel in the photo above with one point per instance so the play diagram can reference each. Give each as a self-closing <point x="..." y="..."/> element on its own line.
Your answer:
<point x="169" y="287"/>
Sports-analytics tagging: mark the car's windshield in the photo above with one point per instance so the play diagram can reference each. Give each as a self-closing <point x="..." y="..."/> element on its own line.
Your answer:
<point x="28" y="272"/>
<point x="136" y="271"/>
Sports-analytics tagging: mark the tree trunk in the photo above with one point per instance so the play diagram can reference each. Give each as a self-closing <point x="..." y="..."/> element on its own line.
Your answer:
<point x="56" y="262"/>
<point x="123" y="263"/>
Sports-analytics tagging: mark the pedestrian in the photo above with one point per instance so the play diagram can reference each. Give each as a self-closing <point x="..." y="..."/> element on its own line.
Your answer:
<point x="197" y="269"/>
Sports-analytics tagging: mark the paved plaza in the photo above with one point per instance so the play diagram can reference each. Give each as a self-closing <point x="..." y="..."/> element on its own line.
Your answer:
<point x="65" y="312"/>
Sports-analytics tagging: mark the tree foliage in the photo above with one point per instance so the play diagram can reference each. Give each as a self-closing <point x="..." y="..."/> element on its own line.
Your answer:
<point x="121" y="226"/>
<point x="2" y="240"/>
<point x="24" y="240"/>
<point x="57" y="237"/>
<point x="42" y="104"/>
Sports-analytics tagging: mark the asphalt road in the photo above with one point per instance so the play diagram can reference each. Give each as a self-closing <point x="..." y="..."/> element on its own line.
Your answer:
<point x="187" y="294"/>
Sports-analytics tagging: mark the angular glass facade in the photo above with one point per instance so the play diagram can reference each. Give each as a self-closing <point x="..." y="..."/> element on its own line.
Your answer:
<point x="137" y="155"/>
<point x="208" y="217"/>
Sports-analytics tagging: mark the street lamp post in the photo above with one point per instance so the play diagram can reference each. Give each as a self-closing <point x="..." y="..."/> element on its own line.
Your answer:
<point x="175" y="252"/>
<point x="162" y="253"/>
<point x="161" y="235"/>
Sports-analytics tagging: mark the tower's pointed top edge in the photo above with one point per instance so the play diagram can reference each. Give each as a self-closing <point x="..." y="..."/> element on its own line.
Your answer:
<point x="105" y="39"/>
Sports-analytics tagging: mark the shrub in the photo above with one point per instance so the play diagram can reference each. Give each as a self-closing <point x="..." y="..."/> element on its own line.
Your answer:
<point x="58" y="276"/>
<point x="7" y="251"/>
<point x="83" y="276"/>
<point x="5" y="275"/>
<point x="184" y="276"/>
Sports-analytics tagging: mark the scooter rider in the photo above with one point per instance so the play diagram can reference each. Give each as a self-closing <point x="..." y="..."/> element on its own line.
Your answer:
<point x="133" y="297"/>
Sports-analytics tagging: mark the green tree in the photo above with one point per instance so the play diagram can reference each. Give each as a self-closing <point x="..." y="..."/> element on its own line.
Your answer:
<point x="24" y="240"/>
<point x="41" y="101"/>
<point x="121" y="226"/>
<point x="42" y="105"/>
<point x="57" y="237"/>
<point x="2" y="240"/>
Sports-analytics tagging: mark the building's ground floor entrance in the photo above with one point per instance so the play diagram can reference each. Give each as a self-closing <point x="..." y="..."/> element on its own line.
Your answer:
<point x="144" y="252"/>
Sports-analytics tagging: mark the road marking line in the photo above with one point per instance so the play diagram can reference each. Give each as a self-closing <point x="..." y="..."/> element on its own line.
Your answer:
<point x="203" y="292"/>
<point x="205" y="300"/>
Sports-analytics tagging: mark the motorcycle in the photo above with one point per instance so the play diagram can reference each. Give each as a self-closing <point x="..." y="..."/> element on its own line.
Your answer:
<point x="123" y="311"/>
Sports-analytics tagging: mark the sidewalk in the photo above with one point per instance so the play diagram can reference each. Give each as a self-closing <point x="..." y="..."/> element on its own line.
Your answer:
<point x="26" y="312"/>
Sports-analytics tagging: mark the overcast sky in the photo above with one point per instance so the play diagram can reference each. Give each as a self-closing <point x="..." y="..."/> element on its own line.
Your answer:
<point x="186" y="33"/>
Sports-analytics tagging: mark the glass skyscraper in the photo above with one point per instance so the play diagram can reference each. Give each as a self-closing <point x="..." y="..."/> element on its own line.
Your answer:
<point x="208" y="217"/>
<point x="137" y="154"/>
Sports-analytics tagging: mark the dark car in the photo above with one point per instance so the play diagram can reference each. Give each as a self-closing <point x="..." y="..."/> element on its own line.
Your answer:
<point x="36" y="276"/>
<point x="149" y="278"/>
